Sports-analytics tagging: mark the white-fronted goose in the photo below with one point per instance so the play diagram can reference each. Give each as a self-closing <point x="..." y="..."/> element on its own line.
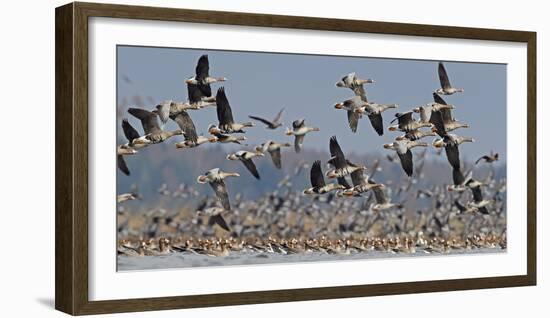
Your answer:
<point x="299" y="130"/>
<point x="274" y="149"/>
<point x="153" y="133"/>
<point x="202" y="78"/>
<point x="318" y="185"/>
<point x="225" y="116"/>
<point x="403" y="149"/>
<point x="186" y="125"/>
<point x="446" y="87"/>
<point x="192" y="144"/>
<point x="382" y="202"/>
<point x="406" y="122"/>
<point x="246" y="158"/>
<point x="350" y="106"/>
<point x="451" y="142"/>
<point x="271" y="124"/>
<point x="490" y="158"/>
<point x="443" y="122"/>
<point x="215" y="178"/>
<point x="355" y="84"/>
<point x="215" y="217"/>
<point x="360" y="184"/>
<point x="224" y="138"/>
<point x="342" y="167"/>
<point x="374" y="112"/>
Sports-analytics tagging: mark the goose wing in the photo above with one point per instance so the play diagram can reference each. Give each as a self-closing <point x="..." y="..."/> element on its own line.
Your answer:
<point x="338" y="159"/>
<point x="219" y="220"/>
<point x="279" y="115"/>
<point x="476" y="191"/>
<point x="406" y="162"/>
<point x="377" y="123"/>
<point x="438" y="99"/>
<point x="249" y="164"/>
<point x="298" y="141"/>
<point x="359" y="90"/>
<point x="379" y="194"/>
<point x="121" y="163"/>
<point x="129" y="131"/>
<point x="194" y="93"/>
<point x="458" y="177"/>
<point x="186" y="124"/>
<point x="403" y="118"/>
<point x="453" y="155"/>
<point x="486" y="158"/>
<point x="163" y="111"/>
<point x="225" y="116"/>
<point x="202" y="68"/>
<point x="263" y="120"/>
<point x="353" y="120"/>
<point x="446" y="115"/>
<point x="437" y="120"/>
<point x="148" y="120"/>
<point x="443" y="78"/>
<point x="316" y="175"/>
<point x="276" y="158"/>
<point x="357" y="177"/>
<point x="298" y="123"/>
<point x="221" y="193"/>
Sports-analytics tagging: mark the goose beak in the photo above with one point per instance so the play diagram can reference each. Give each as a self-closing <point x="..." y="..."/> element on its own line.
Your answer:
<point x="340" y="84"/>
<point x="416" y="110"/>
<point x="201" y="179"/>
<point x="288" y="132"/>
<point x="212" y="139"/>
<point x="387" y="146"/>
<point x="392" y="128"/>
<point x="339" y="105"/>
<point x="316" y="129"/>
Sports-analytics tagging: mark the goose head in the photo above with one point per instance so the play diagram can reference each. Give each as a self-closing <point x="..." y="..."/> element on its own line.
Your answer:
<point x="289" y="132"/>
<point x="232" y="157"/>
<point x="202" y="179"/>
<point x="389" y="146"/>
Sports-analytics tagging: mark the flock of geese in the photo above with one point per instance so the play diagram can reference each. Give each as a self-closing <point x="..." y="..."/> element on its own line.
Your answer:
<point x="435" y="119"/>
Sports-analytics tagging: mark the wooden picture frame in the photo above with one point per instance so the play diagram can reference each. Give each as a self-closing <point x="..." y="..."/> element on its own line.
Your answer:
<point x="71" y="90"/>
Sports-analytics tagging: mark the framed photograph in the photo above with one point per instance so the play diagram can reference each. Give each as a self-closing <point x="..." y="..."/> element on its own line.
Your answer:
<point x="211" y="158"/>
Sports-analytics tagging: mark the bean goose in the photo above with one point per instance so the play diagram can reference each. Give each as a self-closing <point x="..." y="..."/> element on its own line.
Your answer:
<point x="274" y="149"/>
<point x="403" y="149"/>
<point x="246" y="158"/>
<point x="318" y="185"/>
<point x="299" y="130"/>
<point x="153" y="133"/>
<point x="202" y="78"/>
<point x="225" y="115"/>
<point x="215" y="178"/>
<point x="446" y="87"/>
<point x="271" y="124"/>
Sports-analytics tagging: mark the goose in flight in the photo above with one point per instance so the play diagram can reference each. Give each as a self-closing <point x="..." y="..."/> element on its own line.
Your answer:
<point x="446" y="87"/>
<point x="403" y="149"/>
<point x="425" y="111"/>
<point x="215" y="217"/>
<point x="271" y="124"/>
<point x="342" y="167"/>
<point x="406" y="122"/>
<point x="479" y="203"/>
<point x="299" y="130"/>
<point x="374" y="112"/>
<point x="490" y="158"/>
<point x="443" y="122"/>
<point x="459" y="181"/>
<point x="382" y="202"/>
<point x="355" y="84"/>
<point x="274" y="149"/>
<point x="350" y="106"/>
<point x="126" y="197"/>
<point x="417" y="134"/>
<point x="318" y="185"/>
<point x="186" y="124"/>
<point x="153" y="133"/>
<point x="224" y="138"/>
<point x="127" y="149"/>
<point x="246" y="158"/>
<point x="215" y="178"/>
<point x="225" y="116"/>
<point x="202" y="78"/>
<point x="451" y="142"/>
<point x="360" y="184"/>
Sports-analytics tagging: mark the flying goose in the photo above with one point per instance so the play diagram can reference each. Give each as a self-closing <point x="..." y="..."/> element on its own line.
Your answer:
<point x="382" y="202"/>
<point x="224" y="138"/>
<point x="479" y="203"/>
<point x="246" y="158"/>
<point x="451" y="142"/>
<point x="355" y="84"/>
<point x="186" y="124"/>
<point x="459" y="181"/>
<point x="446" y="88"/>
<point x="351" y="105"/>
<point x="425" y="111"/>
<point x="360" y="184"/>
<point x="126" y="197"/>
<point x="271" y="124"/>
<point x="318" y="185"/>
<point x="202" y="78"/>
<point x="416" y="134"/>
<point x="490" y="158"/>
<point x="374" y="112"/>
<point x="406" y="122"/>
<point x="153" y="133"/>
<point x="225" y="116"/>
<point x="342" y="167"/>
<point x="215" y="178"/>
<point x="443" y="122"/>
<point x="215" y="217"/>
<point x="403" y="149"/>
<point x="274" y="149"/>
<point x="299" y="130"/>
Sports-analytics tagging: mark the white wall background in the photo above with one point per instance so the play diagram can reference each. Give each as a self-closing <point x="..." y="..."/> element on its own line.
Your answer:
<point x="27" y="158"/>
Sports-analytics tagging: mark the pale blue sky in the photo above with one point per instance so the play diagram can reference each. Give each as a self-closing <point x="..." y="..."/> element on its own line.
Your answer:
<point x="262" y="83"/>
